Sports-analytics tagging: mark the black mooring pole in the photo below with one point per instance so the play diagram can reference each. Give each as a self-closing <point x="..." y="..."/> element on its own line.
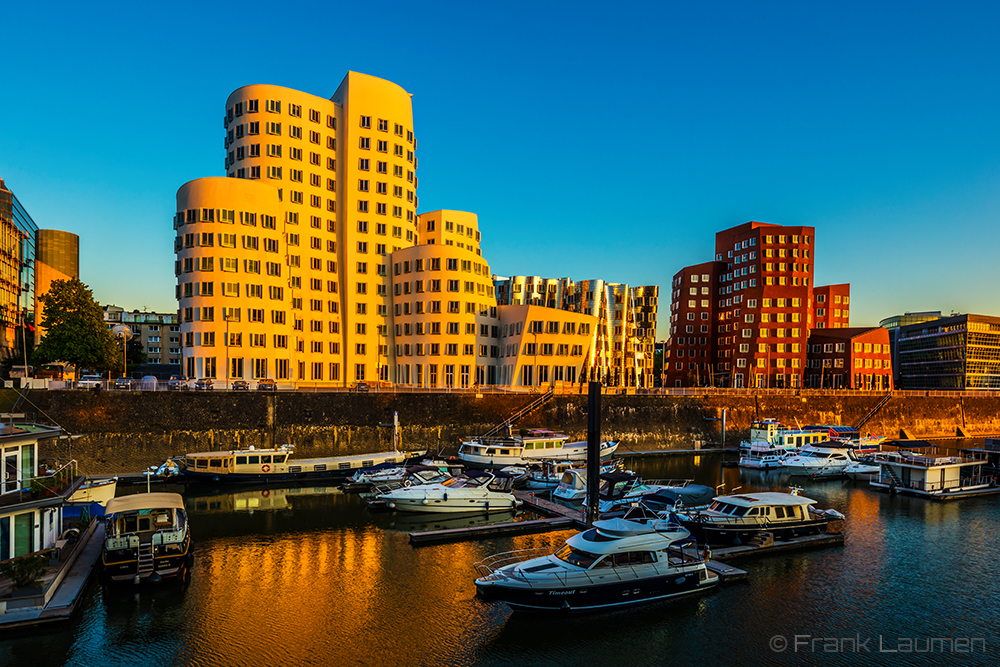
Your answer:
<point x="593" y="449"/>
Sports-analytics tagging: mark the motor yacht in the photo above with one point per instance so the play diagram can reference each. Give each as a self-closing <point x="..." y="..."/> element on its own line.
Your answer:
<point x="763" y="456"/>
<point x="736" y="519"/>
<point x="147" y="538"/>
<point x="620" y="562"/>
<point x="824" y="458"/>
<point x="472" y="491"/>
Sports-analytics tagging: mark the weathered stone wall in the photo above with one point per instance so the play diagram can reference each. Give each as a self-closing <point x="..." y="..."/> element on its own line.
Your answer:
<point x="127" y="432"/>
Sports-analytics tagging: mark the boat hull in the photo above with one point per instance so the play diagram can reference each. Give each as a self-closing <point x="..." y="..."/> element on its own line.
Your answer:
<point x="595" y="597"/>
<point x="734" y="534"/>
<point x="452" y="505"/>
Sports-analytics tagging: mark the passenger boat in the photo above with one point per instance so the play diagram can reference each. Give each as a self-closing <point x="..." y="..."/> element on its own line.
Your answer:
<point x="618" y="563"/>
<point x="825" y="458"/>
<point x="277" y="465"/>
<point x="472" y="491"/>
<point x="770" y="433"/>
<point x="538" y="444"/>
<point x="934" y="476"/>
<point x="737" y="519"/>
<point x="147" y="538"/>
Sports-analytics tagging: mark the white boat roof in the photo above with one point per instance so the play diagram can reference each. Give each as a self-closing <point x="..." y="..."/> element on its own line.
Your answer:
<point x="765" y="498"/>
<point x="631" y="539"/>
<point x="144" y="501"/>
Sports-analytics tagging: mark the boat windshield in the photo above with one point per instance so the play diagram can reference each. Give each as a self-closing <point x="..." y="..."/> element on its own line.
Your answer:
<point x="726" y="508"/>
<point x="576" y="557"/>
<point x="462" y="482"/>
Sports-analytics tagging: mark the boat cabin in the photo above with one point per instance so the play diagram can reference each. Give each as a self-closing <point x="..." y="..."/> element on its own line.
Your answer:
<point x="780" y="436"/>
<point x="763" y="507"/>
<point x="498" y="481"/>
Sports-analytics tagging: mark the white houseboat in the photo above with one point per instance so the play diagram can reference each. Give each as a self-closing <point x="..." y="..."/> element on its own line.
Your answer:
<point x="536" y="445"/>
<point x="934" y="476"/>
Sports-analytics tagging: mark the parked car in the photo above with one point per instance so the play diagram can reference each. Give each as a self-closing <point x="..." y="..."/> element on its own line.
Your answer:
<point x="267" y="385"/>
<point x="177" y="383"/>
<point x="125" y="384"/>
<point x="203" y="384"/>
<point x="360" y="387"/>
<point x="241" y="385"/>
<point x="90" y="382"/>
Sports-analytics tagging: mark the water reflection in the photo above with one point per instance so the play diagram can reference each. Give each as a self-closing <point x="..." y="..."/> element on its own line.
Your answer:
<point x="310" y="576"/>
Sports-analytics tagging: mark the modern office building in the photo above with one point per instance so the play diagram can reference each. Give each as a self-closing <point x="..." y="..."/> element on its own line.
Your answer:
<point x="892" y="325"/>
<point x="625" y="328"/>
<point x="759" y="309"/>
<point x="859" y="358"/>
<point x="158" y="333"/>
<point x="17" y="270"/>
<point x="957" y="353"/>
<point x="282" y="268"/>
<point x="58" y="258"/>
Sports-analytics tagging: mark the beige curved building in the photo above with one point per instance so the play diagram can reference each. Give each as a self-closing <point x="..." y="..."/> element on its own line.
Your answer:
<point x="57" y="257"/>
<point x="338" y="177"/>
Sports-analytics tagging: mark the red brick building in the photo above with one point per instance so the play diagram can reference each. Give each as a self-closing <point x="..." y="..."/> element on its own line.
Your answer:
<point x="760" y="315"/>
<point x="831" y="306"/>
<point x="689" y="358"/>
<point x="859" y="358"/>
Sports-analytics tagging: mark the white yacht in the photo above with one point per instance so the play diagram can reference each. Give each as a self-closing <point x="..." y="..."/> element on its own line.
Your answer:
<point x="536" y="445"/>
<point x="863" y="470"/>
<point x="619" y="562"/>
<point x="820" y="459"/>
<point x="472" y="491"/>
<point x="572" y="486"/>
<point x="762" y="456"/>
<point x="736" y="519"/>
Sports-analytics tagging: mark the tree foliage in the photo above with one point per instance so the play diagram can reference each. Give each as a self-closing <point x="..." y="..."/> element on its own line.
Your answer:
<point x="74" y="327"/>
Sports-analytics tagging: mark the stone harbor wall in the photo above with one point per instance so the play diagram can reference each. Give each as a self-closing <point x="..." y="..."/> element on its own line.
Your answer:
<point x="118" y="432"/>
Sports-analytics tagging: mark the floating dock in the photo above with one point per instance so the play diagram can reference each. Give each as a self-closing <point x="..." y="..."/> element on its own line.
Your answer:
<point x="488" y="531"/>
<point x="745" y="551"/>
<point x="676" y="452"/>
<point x="64" y="594"/>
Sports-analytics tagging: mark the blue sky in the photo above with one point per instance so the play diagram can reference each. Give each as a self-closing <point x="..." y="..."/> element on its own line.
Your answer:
<point x="593" y="140"/>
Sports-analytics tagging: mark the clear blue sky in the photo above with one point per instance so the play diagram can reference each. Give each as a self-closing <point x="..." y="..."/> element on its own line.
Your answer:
<point x="593" y="140"/>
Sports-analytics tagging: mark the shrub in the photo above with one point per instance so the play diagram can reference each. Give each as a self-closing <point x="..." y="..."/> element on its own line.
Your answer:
<point x="25" y="571"/>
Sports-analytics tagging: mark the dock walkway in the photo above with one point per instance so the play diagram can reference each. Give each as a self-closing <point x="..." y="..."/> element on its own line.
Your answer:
<point x="494" y="530"/>
<point x="68" y="593"/>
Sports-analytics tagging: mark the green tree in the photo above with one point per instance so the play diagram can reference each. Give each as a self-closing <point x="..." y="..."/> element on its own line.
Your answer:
<point x="75" y="331"/>
<point x="136" y="352"/>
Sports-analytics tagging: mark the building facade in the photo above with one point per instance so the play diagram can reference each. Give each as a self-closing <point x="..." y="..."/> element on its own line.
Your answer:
<point x="859" y="358"/>
<point x="892" y="325"/>
<point x="282" y="268"/>
<point x="831" y="306"/>
<point x="755" y="314"/>
<point x="956" y="353"/>
<point x="625" y="328"/>
<point x="17" y="270"/>
<point x="58" y="258"/>
<point x="158" y="333"/>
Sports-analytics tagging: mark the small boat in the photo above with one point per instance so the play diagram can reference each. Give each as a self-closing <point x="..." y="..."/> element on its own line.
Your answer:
<point x="147" y="538"/>
<point x="863" y="470"/>
<point x="472" y="491"/>
<point x="620" y="562"/>
<point x="619" y="490"/>
<point x="573" y="483"/>
<point x="387" y="473"/>
<point x="98" y="491"/>
<point x="762" y="456"/>
<point x="547" y="474"/>
<point x="536" y="445"/>
<point x="820" y="459"/>
<point x="737" y="519"/>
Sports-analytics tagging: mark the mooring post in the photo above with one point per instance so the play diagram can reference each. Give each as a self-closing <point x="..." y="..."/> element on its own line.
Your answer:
<point x="593" y="450"/>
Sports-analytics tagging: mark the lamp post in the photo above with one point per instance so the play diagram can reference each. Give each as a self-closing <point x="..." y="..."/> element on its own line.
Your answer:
<point x="225" y="318"/>
<point x="125" y="333"/>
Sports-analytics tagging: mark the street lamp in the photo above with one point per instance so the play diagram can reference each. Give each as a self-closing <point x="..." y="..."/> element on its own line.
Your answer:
<point x="225" y="318"/>
<point x="125" y="333"/>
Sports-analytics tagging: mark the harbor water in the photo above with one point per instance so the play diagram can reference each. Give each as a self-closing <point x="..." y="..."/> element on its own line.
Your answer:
<point x="308" y="576"/>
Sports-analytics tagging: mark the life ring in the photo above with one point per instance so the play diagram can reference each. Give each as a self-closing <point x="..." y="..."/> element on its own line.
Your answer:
<point x="265" y="493"/>
<point x="265" y="468"/>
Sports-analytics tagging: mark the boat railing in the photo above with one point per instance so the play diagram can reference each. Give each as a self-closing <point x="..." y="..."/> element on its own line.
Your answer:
<point x="491" y="564"/>
<point x="667" y="482"/>
<point x="939" y="487"/>
<point x="727" y="519"/>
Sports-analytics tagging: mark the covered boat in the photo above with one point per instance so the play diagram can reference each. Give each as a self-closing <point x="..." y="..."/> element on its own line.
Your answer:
<point x="147" y="538"/>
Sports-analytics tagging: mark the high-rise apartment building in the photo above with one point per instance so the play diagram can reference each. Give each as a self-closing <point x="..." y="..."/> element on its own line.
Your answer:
<point x="282" y="268"/>
<point x="625" y="328"/>
<point x="759" y="307"/>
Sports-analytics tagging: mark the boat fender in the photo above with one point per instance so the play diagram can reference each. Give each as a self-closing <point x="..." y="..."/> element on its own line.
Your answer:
<point x="265" y="493"/>
<point x="154" y="578"/>
<point x="445" y="497"/>
<point x="679" y="580"/>
<point x="392" y="506"/>
<point x="423" y="502"/>
<point x="407" y="482"/>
